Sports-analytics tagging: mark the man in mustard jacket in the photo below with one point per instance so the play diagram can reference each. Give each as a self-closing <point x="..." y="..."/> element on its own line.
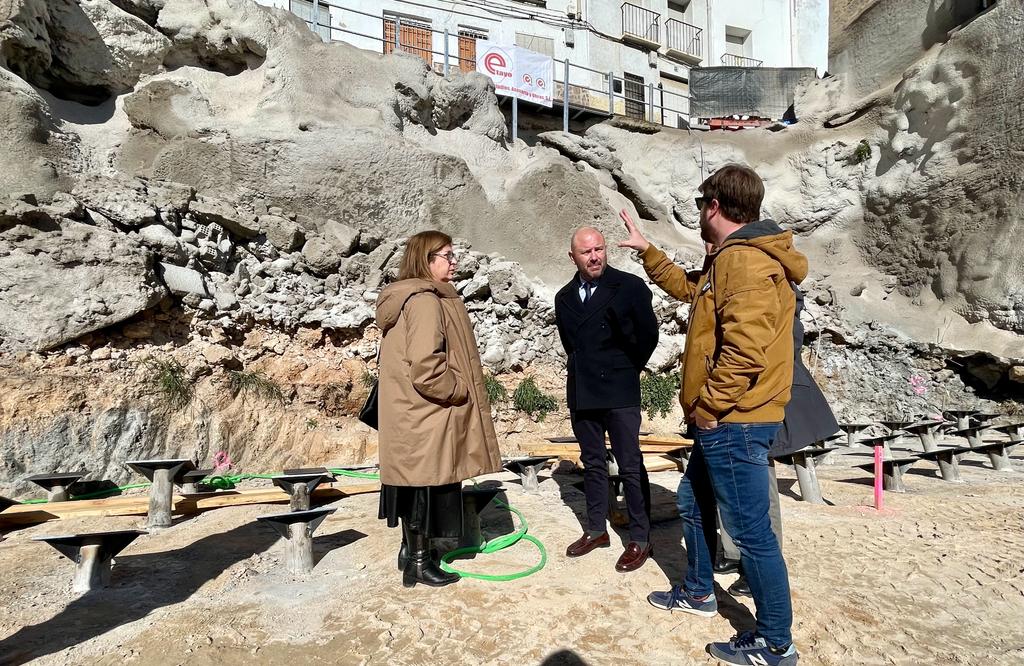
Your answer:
<point x="736" y="379"/>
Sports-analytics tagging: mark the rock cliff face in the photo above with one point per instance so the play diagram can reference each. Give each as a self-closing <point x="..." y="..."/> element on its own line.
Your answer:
<point x="187" y="200"/>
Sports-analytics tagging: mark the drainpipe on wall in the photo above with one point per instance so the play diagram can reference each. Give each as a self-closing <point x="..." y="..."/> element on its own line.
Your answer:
<point x="792" y="39"/>
<point x="711" y="35"/>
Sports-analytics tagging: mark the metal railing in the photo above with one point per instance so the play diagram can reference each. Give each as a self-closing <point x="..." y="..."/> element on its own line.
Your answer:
<point x="577" y="88"/>
<point x="730" y="60"/>
<point x="683" y="37"/>
<point x="640" y="23"/>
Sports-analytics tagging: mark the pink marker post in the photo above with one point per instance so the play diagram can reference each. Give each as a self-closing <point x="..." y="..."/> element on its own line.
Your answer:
<point x="878" y="478"/>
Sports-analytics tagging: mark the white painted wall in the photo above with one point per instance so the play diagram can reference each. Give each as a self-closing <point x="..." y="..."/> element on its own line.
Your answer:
<point x="812" y="34"/>
<point x="784" y="33"/>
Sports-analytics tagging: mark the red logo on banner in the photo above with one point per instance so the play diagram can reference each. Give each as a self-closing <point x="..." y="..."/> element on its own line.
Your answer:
<point x="540" y="83"/>
<point x="496" y="64"/>
<point x="527" y="79"/>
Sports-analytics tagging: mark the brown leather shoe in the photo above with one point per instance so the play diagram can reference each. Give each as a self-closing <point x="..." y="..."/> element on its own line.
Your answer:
<point x="633" y="557"/>
<point x="586" y="543"/>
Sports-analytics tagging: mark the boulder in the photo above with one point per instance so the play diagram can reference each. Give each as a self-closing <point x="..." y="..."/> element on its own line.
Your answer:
<point x="57" y="285"/>
<point x="320" y="256"/>
<point x="343" y="238"/>
<point x="284" y="234"/>
<point x="508" y="283"/>
<point x="121" y="200"/>
<point x="210" y="210"/>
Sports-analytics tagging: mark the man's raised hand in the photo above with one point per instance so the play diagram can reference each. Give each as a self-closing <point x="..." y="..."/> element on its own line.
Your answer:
<point x="636" y="239"/>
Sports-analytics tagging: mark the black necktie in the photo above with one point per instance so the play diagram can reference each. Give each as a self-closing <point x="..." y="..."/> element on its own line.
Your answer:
<point x="587" y="288"/>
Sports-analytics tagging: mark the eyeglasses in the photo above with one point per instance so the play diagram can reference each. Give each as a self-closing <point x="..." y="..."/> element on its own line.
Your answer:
<point x="702" y="201"/>
<point x="449" y="257"/>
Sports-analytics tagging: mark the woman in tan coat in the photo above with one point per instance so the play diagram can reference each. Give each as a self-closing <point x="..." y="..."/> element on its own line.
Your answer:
<point x="435" y="421"/>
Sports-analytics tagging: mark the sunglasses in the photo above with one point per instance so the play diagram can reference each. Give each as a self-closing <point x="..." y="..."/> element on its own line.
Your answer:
<point x="702" y="201"/>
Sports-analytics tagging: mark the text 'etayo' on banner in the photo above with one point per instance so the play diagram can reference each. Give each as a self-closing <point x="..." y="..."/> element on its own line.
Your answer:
<point x="517" y="72"/>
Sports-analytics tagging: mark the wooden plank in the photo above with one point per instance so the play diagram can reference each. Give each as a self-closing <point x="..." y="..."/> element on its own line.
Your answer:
<point x="138" y="505"/>
<point x="570" y="449"/>
<point x="665" y="440"/>
<point x="654" y="461"/>
<point x="664" y="465"/>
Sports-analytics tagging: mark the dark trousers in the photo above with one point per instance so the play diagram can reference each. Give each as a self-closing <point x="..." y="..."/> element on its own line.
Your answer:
<point x="623" y="428"/>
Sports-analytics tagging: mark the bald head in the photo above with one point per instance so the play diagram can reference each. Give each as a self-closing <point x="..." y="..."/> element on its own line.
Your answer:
<point x="587" y="251"/>
<point x="585" y="234"/>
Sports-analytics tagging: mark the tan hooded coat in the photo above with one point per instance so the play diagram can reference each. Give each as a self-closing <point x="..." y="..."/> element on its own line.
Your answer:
<point x="435" y="420"/>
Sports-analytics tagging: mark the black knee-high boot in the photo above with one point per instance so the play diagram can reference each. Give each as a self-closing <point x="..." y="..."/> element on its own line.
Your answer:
<point x="420" y="567"/>
<point x="403" y="550"/>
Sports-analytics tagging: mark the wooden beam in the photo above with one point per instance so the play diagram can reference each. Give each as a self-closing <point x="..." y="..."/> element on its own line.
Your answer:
<point x="574" y="449"/>
<point x="138" y="505"/>
<point x="653" y="460"/>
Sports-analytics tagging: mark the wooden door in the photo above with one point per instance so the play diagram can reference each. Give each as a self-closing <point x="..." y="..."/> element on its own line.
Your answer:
<point x="467" y="51"/>
<point x="415" y="38"/>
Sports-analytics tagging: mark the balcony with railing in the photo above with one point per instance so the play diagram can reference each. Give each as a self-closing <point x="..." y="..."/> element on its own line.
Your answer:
<point x="641" y="26"/>
<point x="731" y="60"/>
<point x="684" y="41"/>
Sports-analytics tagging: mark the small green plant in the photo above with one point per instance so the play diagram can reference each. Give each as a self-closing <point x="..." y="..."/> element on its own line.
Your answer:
<point x="862" y="153"/>
<point x="530" y="399"/>
<point x="368" y="379"/>
<point x="171" y="381"/>
<point x="311" y="424"/>
<point x="496" y="393"/>
<point x="658" y="393"/>
<point x="255" y="383"/>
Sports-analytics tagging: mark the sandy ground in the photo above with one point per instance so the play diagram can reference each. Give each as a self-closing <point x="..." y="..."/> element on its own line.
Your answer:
<point x="938" y="579"/>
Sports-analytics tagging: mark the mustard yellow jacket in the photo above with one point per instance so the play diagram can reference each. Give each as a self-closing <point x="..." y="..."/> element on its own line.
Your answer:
<point x="738" y="359"/>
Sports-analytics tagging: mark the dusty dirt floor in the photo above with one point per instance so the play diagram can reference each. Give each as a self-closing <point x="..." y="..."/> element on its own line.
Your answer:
<point x="937" y="579"/>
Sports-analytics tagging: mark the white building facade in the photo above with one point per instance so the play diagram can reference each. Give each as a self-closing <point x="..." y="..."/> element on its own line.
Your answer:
<point x="629" y="58"/>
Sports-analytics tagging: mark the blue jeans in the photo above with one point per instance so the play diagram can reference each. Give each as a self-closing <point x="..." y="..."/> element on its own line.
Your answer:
<point x="729" y="467"/>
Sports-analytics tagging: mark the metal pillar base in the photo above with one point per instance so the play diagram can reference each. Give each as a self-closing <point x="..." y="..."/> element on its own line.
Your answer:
<point x="883" y="442"/>
<point x="892" y="472"/>
<point x="300" y="484"/>
<point x="191" y="480"/>
<point x="962" y="417"/>
<point x="1015" y="431"/>
<point x="527" y="469"/>
<point x="297" y="528"/>
<point x="852" y="430"/>
<point x="92" y="554"/>
<point x="807" y="478"/>
<point x="998" y="454"/>
<point x="972" y="435"/>
<point x="948" y="460"/>
<point x="474" y="501"/>
<point x="927" y="432"/>
<point x="57" y="486"/>
<point x="163" y="474"/>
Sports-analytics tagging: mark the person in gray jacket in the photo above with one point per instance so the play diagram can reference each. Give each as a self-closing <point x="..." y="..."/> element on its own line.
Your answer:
<point x="809" y="419"/>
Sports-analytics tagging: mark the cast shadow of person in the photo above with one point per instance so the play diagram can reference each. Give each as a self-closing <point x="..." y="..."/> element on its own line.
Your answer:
<point x="563" y="658"/>
<point x="495" y="517"/>
<point x="142" y="584"/>
<point x="666" y="538"/>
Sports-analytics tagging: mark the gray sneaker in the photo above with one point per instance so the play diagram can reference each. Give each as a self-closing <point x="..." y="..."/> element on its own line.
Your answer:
<point x="677" y="599"/>
<point x="749" y="649"/>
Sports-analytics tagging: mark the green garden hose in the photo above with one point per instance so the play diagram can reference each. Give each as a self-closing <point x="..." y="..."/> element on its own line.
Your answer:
<point x="228" y="481"/>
